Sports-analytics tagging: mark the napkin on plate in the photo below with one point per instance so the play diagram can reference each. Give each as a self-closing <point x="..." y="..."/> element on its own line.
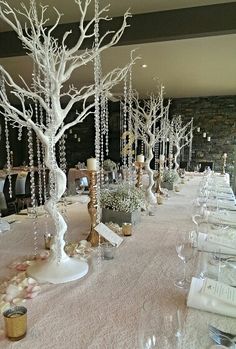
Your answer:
<point x="203" y="301"/>
<point x="212" y="246"/>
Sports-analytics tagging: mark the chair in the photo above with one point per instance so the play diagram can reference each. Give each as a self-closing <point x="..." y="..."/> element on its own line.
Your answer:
<point x="24" y="198"/>
<point x="11" y="204"/>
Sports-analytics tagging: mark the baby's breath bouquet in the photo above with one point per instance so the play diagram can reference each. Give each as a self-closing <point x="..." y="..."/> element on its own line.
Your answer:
<point x="109" y="165"/>
<point x="170" y="176"/>
<point x="125" y="198"/>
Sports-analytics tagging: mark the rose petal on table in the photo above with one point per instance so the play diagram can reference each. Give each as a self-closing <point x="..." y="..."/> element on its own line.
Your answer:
<point x="13" y="290"/>
<point x="32" y="295"/>
<point x="17" y="301"/>
<point x="31" y="281"/>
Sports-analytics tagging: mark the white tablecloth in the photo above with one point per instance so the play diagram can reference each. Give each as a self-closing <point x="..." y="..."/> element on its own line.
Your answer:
<point x="102" y="310"/>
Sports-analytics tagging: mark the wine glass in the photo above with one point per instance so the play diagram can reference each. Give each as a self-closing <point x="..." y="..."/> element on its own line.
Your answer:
<point x="159" y="325"/>
<point x="184" y="249"/>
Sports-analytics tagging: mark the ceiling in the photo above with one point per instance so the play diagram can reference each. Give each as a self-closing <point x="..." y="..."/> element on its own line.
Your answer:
<point x="190" y="67"/>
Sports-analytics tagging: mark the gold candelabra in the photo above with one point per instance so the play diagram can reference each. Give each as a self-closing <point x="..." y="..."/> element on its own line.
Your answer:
<point x="92" y="208"/>
<point x="139" y="165"/>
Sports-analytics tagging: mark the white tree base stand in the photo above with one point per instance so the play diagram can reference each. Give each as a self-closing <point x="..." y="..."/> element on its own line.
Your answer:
<point x="69" y="269"/>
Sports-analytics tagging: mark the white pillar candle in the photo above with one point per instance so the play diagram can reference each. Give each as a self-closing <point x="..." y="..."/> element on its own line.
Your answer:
<point x="162" y="157"/>
<point x="140" y="158"/>
<point x="92" y="164"/>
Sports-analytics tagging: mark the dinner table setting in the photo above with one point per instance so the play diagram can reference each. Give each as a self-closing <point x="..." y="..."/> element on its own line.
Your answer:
<point x="172" y="283"/>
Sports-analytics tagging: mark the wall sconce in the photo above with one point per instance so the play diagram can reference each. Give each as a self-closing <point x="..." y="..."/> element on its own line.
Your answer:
<point x="70" y="131"/>
<point x="75" y="135"/>
<point x="78" y="139"/>
<point x="208" y="139"/>
<point x="204" y="135"/>
<point x="198" y="129"/>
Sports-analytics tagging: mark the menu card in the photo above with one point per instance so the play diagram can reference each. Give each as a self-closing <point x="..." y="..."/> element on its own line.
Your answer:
<point x="108" y="234"/>
<point x="220" y="291"/>
<point x="214" y="299"/>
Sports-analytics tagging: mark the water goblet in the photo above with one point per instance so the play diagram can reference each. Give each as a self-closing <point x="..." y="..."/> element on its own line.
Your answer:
<point x="184" y="249"/>
<point x="159" y="326"/>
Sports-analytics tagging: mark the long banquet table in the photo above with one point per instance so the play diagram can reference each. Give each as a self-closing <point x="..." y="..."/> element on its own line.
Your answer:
<point x="102" y="310"/>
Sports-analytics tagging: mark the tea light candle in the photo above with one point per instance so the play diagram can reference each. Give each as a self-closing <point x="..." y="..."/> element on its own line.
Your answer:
<point x="108" y="251"/>
<point x="162" y="157"/>
<point x="127" y="229"/>
<point x="140" y="158"/>
<point x="92" y="164"/>
<point x="15" y="323"/>
<point x="47" y="241"/>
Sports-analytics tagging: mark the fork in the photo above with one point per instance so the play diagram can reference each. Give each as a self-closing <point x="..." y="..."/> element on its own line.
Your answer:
<point x="220" y="337"/>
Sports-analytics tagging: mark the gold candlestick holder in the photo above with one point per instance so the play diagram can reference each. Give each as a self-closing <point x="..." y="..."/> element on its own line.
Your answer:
<point x="92" y="208"/>
<point x="139" y="166"/>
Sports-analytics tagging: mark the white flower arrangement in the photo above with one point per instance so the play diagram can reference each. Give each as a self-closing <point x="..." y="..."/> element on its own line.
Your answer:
<point x="170" y="176"/>
<point x="109" y="165"/>
<point x="123" y="198"/>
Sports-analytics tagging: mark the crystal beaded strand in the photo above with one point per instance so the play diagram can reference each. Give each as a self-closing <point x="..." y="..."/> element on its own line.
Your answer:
<point x="97" y="77"/>
<point x="124" y="122"/>
<point x="32" y="188"/>
<point x="8" y="150"/>
<point x="107" y="126"/>
<point x="130" y="94"/>
<point x="8" y="156"/>
<point x="156" y="154"/>
<point x="38" y="146"/>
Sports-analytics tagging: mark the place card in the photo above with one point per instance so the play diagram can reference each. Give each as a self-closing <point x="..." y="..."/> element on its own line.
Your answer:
<point x="108" y="234"/>
<point x="220" y="291"/>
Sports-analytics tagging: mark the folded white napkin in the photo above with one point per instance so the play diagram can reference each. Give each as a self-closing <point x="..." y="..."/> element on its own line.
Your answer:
<point x="4" y="226"/>
<point x="203" y="301"/>
<point x="222" y="204"/>
<point x="211" y="246"/>
<point x="227" y="217"/>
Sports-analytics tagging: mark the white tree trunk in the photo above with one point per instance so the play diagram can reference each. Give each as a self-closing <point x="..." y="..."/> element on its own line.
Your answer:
<point x="150" y="196"/>
<point x="176" y="158"/>
<point x="59" y="267"/>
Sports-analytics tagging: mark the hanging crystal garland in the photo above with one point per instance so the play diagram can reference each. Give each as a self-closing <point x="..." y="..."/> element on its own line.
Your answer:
<point x="8" y="150"/>
<point x="97" y="80"/>
<point x="130" y="111"/>
<point x="124" y="126"/>
<point x="190" y="144"/>
<point x="38" y="146"/>
<point x="32" y="188"/>
<point x="102" y="135"/>
<point x="63" y="166"/>
<point x="156" y="154"/>
<point x="8" y="156"/>
<point x="106" y="126"/>
<point x="19" y="133"/>
<point x="170" y="152"/>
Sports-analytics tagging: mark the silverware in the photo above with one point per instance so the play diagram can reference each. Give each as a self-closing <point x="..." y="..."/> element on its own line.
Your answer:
<point x="221" y="337"/>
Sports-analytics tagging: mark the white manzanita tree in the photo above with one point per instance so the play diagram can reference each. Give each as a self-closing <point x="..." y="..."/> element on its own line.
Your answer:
<point x="54" y="64"/>
<point x="181" y="135"/>
<point x="146" y="117"/>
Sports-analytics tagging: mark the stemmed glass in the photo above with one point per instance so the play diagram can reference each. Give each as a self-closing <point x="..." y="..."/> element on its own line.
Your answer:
<point x="160" y="325"/>
<point x="184" y="249"/>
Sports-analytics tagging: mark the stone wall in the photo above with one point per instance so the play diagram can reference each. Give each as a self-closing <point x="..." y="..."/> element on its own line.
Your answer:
<point x="217" y="117"/>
